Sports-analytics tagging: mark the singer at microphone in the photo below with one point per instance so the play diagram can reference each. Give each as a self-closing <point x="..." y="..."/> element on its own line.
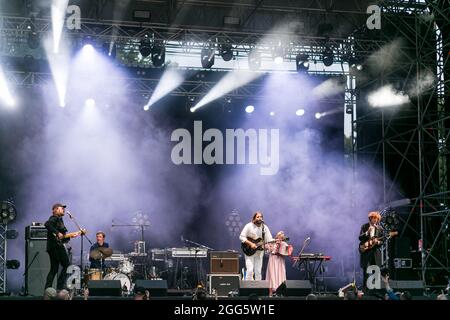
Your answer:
<point x="57" y="253"/>
<point x="254" y="237"/>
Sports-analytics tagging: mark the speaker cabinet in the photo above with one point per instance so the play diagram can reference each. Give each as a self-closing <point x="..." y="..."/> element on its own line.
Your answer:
<point x="224" y="262"/>
<point x="157" y="288"/>
<point x="105" y="288"/>
<point x="223" y="284"/>
<point x="38" y="263"/>
<point x="259" y="288"/>
<point x="295" y="288"/>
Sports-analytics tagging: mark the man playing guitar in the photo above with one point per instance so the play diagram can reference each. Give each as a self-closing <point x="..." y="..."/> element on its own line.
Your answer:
<point x="57" y="237"/>
<point x="370" y="241"/>
<point x="254" y="236"/>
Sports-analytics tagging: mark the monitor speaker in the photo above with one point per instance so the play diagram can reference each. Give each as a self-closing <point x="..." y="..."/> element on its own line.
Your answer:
<point x="259" y="288"/>
<point x="156" y="288"/>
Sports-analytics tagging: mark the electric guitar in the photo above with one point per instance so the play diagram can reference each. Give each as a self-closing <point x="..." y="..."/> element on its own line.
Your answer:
<point x="248" y="251"/>
<point x="365" y="246"/>
<point x="69" y="236"/>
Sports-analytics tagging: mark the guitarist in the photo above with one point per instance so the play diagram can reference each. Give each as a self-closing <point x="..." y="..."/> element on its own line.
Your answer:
<point x="369" y="234"/>
<point x="56" y="239"/>
<point x="256" y="229"/>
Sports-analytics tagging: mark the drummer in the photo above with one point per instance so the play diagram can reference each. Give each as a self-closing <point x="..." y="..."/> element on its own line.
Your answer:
<point x="98" y="261"/>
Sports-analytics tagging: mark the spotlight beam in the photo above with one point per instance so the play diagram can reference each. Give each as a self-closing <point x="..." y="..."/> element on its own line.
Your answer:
<point x="236" y="78"/>
<point x="228" y="83"/>
<point x="58" y="10"/>
<point x="169" y="81"/>
<point x="59" y="66"/>
<point x="5" y="94"/>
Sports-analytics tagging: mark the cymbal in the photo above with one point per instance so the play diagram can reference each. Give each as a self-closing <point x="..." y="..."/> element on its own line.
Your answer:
<point x="100" y="253"/>
<point x="107" y="252"/>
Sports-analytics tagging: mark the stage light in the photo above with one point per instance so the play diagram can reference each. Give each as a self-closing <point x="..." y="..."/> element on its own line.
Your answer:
<point x="8" y="212"/>
<point x="278" y="54"/>
<point x="88" y="48"/>
<point x="272" y="113"/>
<point x="327" y="57"/>
<point x="145" y="48"/>
<point x="33" y="40"/>
<point x="207" y="57"/>
<point x="300" y="112"/>
<point x="318" y="115"/>
<point x="254" y="60"/>
<point x="302" y="63"/>
<point x="110" y="49"/>
<point x="158" y="54"/>
<point x="11" y="234"/>
<point x="89" y="103"/>
<point x="146" y="107"/>
<point x="249" y="109"/>
<point x="226" y="51"/>
<point x="12" y="264"/>
<point x="355" y="64"/>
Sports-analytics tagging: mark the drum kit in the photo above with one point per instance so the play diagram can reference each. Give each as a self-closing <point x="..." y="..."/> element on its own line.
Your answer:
<point x="122" y="272"/>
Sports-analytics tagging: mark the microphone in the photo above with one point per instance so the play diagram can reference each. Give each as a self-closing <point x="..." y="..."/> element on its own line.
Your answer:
<point x="69" y="214"/>
<point x="262" y="221"/>
<point x="307" y="239"/>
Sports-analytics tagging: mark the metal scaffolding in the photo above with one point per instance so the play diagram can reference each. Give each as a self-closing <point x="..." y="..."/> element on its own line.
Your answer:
<point x="412" y="143"/>
<point x="3" y="257"/>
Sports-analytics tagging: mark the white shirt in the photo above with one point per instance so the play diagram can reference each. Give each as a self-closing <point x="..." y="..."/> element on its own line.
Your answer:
<point x="254" y="232"/>
<point x="372" y="231"/>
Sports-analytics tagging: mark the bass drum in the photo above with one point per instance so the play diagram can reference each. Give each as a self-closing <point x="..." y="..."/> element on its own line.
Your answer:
<point x="124" y="281"/>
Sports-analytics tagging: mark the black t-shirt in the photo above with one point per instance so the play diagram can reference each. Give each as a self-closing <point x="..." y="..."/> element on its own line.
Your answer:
<point x="54" y="225"/>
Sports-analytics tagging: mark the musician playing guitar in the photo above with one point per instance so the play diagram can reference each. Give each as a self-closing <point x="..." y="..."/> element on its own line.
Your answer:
<point x="253" y="238"/>
<point x="57" y="238"/>
<point x="370" y="241"/>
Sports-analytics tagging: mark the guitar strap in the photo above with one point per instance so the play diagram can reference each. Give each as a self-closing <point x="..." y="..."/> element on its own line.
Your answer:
<point x="263" y="234"/>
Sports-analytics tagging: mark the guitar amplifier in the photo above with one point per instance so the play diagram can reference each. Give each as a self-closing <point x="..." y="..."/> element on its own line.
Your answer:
<point x="223" y="284"/>
<point x="224" y="262"/>
<point x="36" y="231"/>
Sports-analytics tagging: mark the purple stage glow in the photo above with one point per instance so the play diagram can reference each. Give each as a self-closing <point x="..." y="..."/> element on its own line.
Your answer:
<point x="107" y="164"/>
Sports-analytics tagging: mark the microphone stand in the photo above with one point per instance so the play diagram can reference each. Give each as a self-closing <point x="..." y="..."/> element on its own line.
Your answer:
<point x="142" y="226"/>
<point x="197" y="265"/>
<point x="296" y="263"/>
<point x="82" y="237"/>
<point x="25" y="274"/>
